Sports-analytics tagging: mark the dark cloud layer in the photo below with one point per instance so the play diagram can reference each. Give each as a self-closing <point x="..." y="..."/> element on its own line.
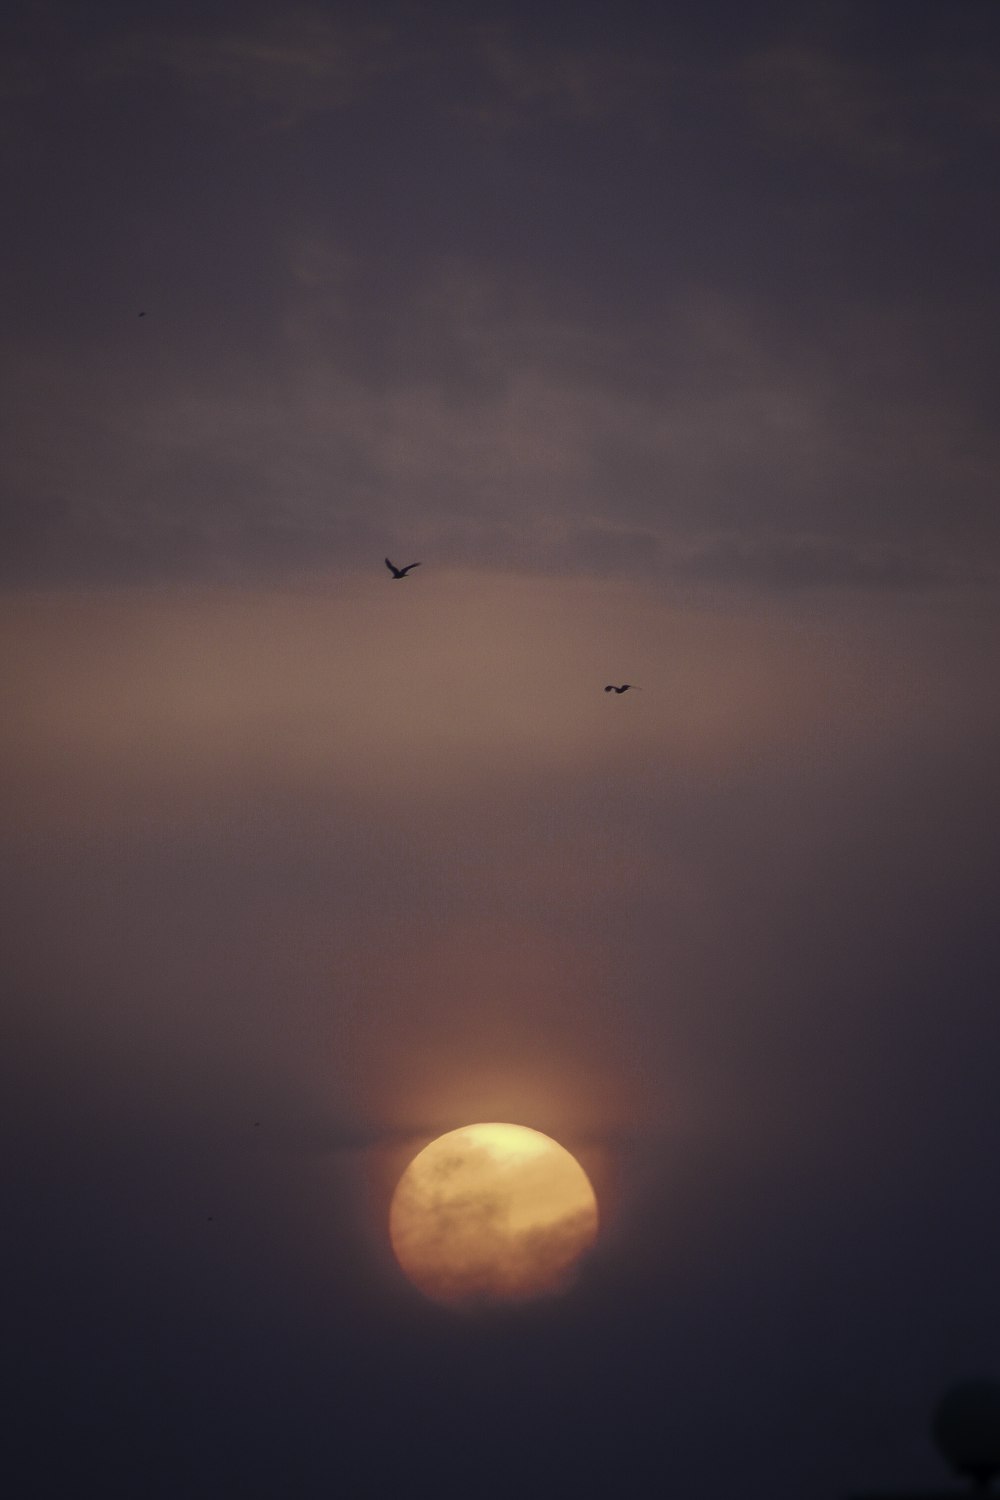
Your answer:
<point x="411" y="271"/>
<point x="664" y="341"/>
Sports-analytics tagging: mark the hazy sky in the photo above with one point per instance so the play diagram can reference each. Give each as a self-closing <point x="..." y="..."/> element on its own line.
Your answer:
<point x="665" y="339"/>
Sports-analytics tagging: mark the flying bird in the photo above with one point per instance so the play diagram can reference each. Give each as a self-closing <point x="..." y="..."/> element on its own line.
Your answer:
<point x="400" y="572"/>
<point x="623" y="689"/>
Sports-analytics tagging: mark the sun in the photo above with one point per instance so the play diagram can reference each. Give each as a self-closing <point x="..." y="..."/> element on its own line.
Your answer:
<point x="492" y="1213"/>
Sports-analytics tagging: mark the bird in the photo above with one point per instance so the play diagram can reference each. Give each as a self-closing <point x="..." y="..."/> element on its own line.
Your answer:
<point x="623" y="689"/>
<point x="400" y="572"/>
<point x="142" y="315"/>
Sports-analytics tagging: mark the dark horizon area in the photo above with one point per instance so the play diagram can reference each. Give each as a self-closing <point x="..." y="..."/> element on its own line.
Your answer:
<point x="664" y="340"/>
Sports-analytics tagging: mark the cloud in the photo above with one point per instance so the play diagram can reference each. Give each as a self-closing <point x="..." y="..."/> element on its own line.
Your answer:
<point x="907" y="114"/>
<point x="496" y="439"/>
<point x="805" y="562"/>
<point x="278" y="70"/>
<point x="814" y="100"/>
<point x="525" y="84"/>
<point x="302" y="63"/>
<point x="466" y="415"/>
<point x="308" y="395"/>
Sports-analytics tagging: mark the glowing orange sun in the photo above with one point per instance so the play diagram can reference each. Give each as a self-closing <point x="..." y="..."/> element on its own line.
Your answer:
<point x="492" y="1213"/>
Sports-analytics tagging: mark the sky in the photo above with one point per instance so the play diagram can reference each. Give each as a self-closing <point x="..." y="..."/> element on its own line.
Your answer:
<point x="665" y="339"/>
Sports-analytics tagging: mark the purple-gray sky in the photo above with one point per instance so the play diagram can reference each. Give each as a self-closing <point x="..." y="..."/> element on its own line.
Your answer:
<point x="665" y="338"/>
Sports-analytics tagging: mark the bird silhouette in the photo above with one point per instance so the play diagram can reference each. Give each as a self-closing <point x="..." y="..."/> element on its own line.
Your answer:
<point x="400" y="572"/>
<point x="623" y="689"/>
